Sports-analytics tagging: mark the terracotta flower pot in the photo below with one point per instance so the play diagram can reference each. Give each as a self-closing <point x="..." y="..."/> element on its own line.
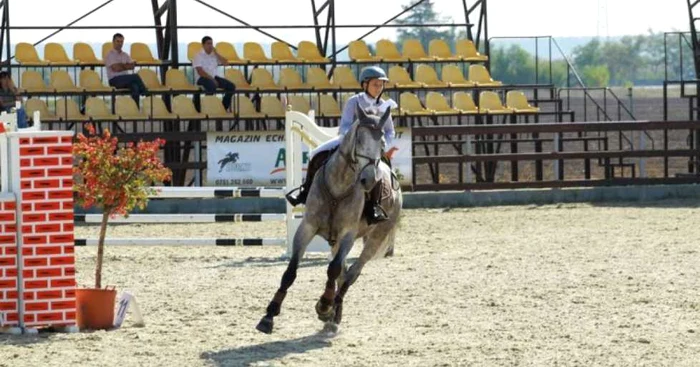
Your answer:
<point x="95" y="308"/>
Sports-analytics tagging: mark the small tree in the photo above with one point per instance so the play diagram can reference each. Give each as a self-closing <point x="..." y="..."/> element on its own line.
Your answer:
<point x="115" y="180"/>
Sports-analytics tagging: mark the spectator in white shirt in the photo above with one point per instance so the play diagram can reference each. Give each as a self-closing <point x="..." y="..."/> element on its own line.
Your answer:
<point x="206" y="63"/>
<point x="119" y="65"/>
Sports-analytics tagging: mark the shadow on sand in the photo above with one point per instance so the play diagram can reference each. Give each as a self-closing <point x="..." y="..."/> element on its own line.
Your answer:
<point x="252" y="354"/>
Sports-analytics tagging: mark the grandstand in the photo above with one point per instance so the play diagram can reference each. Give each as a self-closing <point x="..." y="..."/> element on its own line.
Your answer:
<point x="434" y="84"/>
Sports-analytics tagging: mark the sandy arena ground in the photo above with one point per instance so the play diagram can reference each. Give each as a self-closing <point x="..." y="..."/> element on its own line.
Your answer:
<point x="566" y="285"/>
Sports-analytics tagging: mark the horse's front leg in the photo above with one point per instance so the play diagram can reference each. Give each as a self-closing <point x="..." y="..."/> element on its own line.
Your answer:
<point x="325" y="306"/>
<point x="372" y="246"/>
<point x="305" y="233"/>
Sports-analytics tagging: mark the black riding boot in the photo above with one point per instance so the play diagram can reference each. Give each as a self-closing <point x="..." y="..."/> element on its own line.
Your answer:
<point x="298" y="195"/>
<point x="373" y="211"/>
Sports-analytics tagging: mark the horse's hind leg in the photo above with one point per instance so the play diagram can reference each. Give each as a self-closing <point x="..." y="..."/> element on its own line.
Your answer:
<point x="302" y="237"/>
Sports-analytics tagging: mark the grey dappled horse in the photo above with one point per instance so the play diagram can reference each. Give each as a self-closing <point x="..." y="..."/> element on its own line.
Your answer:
<point x="334" y="212"/>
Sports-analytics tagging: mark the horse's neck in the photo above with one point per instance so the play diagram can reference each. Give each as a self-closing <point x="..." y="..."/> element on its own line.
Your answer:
<point x="339" y="175"/>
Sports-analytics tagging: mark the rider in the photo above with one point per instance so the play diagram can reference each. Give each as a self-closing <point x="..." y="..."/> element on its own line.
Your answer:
<point x="372" y="79"/>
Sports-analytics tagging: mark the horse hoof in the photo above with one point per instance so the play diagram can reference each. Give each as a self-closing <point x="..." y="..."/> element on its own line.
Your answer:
<point x="325" y="313"/>
<point x="265" y="325"/>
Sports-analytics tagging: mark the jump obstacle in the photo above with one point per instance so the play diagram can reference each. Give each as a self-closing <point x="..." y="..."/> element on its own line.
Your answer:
<point x="37" y="263"/>
<point x="299" y="128"/>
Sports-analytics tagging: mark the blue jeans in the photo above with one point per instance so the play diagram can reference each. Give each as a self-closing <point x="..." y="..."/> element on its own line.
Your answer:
<point x="22" y="122"/>
<point x="131" y="81"/>
<point x="210" y="88"/>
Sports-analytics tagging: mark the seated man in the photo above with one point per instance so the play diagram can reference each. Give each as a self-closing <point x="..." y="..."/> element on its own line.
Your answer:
<point x="118" y="65"/>
<point x="206" y="63"/>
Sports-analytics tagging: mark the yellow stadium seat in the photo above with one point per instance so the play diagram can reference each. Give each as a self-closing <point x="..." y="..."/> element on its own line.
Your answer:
<point x="127" y="109"/>
<point x="308" y="52"/>
<point x="411" y="105"/>
<point x="290" y="79"/>
<point x="56" y="55"/>
<point x="426" y="75"/>
<point x="85" y="55"/>
<point x="106" y="48"/>
<point x="253" y="52"/>
<point x="151" y="81"/>
<point x="271" y="106"/>
<point x="343" y="97"/>
<point x="26" y="55"/>
<point x="438" y="104"/>
<point x="228" y="52"/>
<point x="155" y="108"/>
<point x="33" y="82"/>
<point x="440" y="50"/>
<point x="184" y="109"/>
<point x="176" y="80"/>
<point x="299" y="104"/>
<point x="34" y="104"/>
<point x="479" y="75"/>
<point x="344" y="78"/>
<point x="261" y="79"/>
<point x="67" y="109"/>
<point x="452" y="75"/>
<point x="282" y="53"/>
<point x="317" y="78"/>
<point x="490" y="102"/>
<point x="464" y="102"/>
<point x="97" y="109"/>
<point x="214" y="108"/>
<point x="517" y="101"/>
<point x="399" y="78"/>
<point x="90" y="81"/>
<point x="328" y="106"/>
<point x="142" y="55"/>
<point x="193" y="48"/>
<point x="414" y="51"/>
<point x="467" y="51"/>
<point x="388" y="52"/>
<point x="236" y="77"/>
<point x="62" y="82"/>
<point x="246" y="109"/>
<point x="359" y="52"/>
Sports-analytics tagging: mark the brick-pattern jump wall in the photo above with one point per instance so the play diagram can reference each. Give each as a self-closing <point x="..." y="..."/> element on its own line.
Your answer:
<point x="46" y="228"/>
<point x="8" y="259"/>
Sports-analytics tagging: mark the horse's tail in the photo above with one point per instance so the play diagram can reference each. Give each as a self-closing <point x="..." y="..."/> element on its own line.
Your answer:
<point x="391" y="239"/>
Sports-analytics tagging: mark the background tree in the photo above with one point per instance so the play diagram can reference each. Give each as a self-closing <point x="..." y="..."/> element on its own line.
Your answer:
<point x="424" y="14"/>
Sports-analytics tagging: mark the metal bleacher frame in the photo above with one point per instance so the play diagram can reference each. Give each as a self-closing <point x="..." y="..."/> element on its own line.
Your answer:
<point x="183" y="138"/>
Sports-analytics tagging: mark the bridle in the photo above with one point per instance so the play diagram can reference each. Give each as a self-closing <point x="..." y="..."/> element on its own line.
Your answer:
<point x="353" y="155"/>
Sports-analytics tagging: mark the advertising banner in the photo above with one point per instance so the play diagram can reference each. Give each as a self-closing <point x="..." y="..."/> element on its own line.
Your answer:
<point x="257" y="158"/>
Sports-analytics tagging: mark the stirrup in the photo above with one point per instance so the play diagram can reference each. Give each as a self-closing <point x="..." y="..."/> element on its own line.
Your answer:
<point x="297" y="199"/>
<point x="376" y="214"/>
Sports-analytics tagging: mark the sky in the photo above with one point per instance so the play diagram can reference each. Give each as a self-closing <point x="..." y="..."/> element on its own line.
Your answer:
<point x="558" y="18"/>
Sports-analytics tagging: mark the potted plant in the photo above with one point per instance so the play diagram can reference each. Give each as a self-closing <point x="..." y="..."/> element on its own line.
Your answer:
<point x="115" y="180"/>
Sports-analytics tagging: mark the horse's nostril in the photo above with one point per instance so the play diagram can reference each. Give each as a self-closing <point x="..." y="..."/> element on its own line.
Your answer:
<point x="363" y="181"/>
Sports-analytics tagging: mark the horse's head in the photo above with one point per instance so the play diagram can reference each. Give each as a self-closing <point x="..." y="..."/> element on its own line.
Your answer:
<point x="363" y="145"/>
